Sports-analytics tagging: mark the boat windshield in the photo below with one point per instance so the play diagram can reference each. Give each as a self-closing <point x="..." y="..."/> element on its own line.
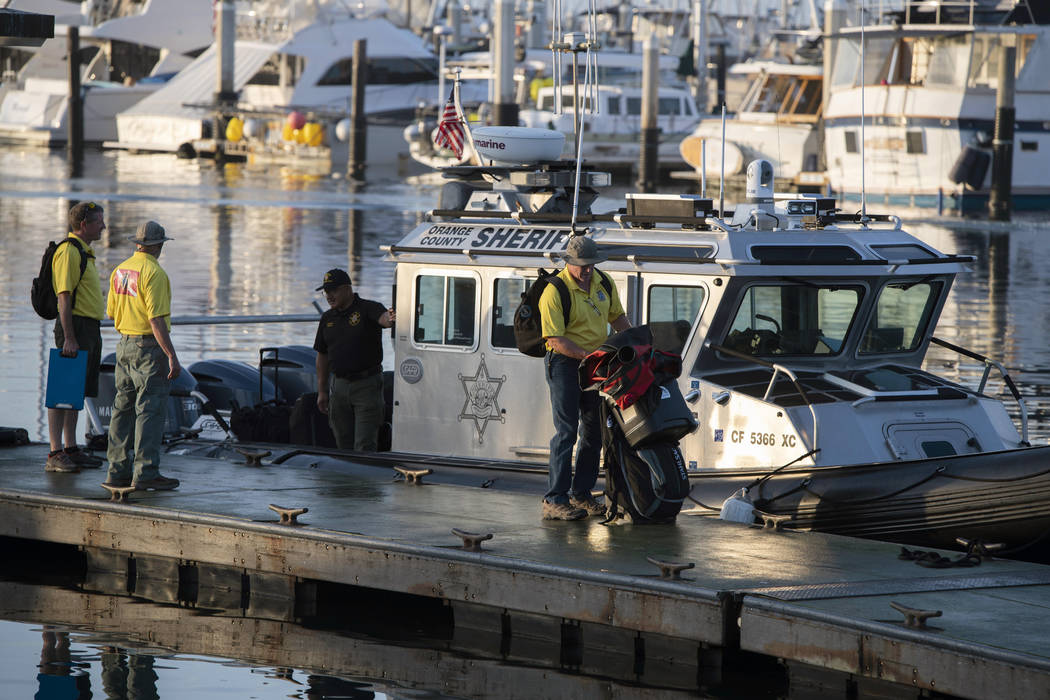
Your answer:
<point x="901" y="317"/>
<point x="793" y="319"/>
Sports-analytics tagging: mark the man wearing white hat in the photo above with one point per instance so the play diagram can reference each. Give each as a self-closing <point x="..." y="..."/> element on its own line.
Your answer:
<point x="594" y="306"/>
<point x="140" y="305"/>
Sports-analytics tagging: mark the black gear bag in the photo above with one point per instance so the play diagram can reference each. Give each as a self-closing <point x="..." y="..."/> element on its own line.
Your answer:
<point x="648" y="483"/>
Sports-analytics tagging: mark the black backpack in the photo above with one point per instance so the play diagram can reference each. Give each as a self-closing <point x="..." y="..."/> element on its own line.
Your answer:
<point x="528" y="333"/>
<point x="648" y="483"/>
<point x="42" y="293"/>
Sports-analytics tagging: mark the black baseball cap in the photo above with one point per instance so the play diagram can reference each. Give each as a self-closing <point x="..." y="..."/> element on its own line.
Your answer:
<point x="333" y="279"/>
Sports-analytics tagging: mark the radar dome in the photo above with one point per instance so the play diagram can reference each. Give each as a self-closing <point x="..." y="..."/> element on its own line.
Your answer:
<point x="517" y="145"/>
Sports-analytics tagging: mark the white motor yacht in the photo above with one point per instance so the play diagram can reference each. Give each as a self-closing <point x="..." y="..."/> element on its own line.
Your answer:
<point x="126" y="58"/>
<point x="778" y="120"/>
<point x="929" y="89"/>
<point x="302" y="62"/>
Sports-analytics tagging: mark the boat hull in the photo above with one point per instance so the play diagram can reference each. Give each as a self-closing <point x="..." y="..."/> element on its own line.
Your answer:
<point x="995" y="497"/>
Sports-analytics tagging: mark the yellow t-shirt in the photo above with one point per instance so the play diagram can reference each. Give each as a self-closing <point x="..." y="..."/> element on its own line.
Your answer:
<point x="138" y="291"/>
<point x="65" y="277"/>
<point x="590" y="314"/>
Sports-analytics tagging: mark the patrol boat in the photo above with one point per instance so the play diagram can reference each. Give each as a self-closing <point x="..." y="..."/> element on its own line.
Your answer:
<point x="802" y="331"/>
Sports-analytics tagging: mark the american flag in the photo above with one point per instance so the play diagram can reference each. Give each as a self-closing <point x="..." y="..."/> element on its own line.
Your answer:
<point x="450" y="132"/>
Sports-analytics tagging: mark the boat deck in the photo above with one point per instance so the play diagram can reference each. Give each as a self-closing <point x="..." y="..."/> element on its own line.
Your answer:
<point x="808" y="597"/>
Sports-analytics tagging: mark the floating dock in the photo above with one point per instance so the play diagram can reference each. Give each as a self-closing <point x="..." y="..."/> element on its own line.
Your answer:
<point x="683" y="594"/>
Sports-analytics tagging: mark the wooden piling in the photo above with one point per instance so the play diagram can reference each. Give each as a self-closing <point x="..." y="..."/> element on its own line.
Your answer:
<point x="358" y="127"/>
<point x="506" y="109"/>
<point x="75" y="109"/>
<point x="999" y="202"/>
<point x="650" y="132"/>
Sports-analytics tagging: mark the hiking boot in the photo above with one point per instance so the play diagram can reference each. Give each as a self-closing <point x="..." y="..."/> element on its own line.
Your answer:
<point x="59" y="461"/>
<point x="589" y="504"/>
<point x="84" y="460"/>
<point x="562" y="511"/>
<point x="117" y="482"/>
<point x="158" y="483"/>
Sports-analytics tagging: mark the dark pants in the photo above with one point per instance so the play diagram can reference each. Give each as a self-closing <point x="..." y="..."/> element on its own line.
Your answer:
<point x="574" y="410"/>
<point x="89" y="338"/>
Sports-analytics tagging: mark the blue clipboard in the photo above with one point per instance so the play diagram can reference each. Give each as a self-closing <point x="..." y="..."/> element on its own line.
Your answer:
<point x="65" y="380"/>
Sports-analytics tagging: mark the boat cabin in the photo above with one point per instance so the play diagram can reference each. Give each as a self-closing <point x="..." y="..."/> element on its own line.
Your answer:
<point x="802" y="331"/>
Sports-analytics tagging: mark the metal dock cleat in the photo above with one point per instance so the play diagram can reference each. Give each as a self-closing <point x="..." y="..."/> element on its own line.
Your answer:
<point x="471" y="540"/>
<point x="288" y="515"/>
<point x="913" y="617"/>
<point x="669" y="569"/>
<point x="771" y="521"/>
<point x="253" y="458"/>
<point x="119" y="493"/>
<point x="413" y="476"/>
<point x="980" y="548"/>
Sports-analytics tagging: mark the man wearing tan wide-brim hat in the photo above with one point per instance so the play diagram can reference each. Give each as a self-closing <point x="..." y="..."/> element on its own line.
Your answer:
<point x="573" y="333"/>
<point x="140" y="305"/>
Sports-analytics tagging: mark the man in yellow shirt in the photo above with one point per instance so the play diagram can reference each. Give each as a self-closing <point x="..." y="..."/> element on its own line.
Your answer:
<point x="594" y="307"/>
<point x="140" y="305"/>
<point x="77" y="328"/>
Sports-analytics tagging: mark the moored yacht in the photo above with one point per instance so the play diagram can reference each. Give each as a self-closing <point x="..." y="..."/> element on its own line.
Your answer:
<point x="297" y="58"/>
<point x="928" y="103"/>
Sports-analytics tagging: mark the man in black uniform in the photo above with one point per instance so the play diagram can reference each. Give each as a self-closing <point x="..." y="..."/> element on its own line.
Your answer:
<point x="349" y="345"/>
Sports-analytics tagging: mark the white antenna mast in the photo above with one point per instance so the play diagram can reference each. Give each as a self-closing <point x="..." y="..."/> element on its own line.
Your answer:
<point x="722" y="172"/>
<point x="863" y="188"/>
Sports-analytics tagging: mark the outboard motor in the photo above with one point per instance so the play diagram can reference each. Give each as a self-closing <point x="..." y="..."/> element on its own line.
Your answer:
<point x="230" y="385"/>
<point x="758" y="206"/>
<point x="183" y="408"/>
<point x="293" y="368"/>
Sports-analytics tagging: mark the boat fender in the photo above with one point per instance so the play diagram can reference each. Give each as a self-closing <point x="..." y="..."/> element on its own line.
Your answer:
<point x="970" y="167"/>
<point x="738" y="508"/>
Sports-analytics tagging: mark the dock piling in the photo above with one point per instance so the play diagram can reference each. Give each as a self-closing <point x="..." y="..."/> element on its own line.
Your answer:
<point x="358" y="129"/>
<point x="650" y="132"/>
<point x="75" y="112"/>
<point x="999" y="202"/>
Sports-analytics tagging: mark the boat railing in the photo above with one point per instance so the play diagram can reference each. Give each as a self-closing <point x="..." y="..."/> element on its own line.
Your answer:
<point x="989" y="364"/>
<point x="778" y="369"/>
<point x="228" y="320"/>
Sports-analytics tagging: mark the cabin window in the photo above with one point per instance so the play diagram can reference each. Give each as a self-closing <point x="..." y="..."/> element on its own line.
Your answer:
<point x="671" y="312"/>
<point x="793" y="320"/>
<point x="612" y="104"/>
<point x="938" y="448"/>
<point x="634" y="106"/>
<point x="915" y="142"/>
<point x="506" y="295"/>
<point x="901" y="317"/>
<point x="445" y="310"/>
<point x="1030" y="146"/>
<point x="949" y="60"/>
<point x="851" y="142"/>
<point x="394" y="70"/>
<point x="669" y="106"/>
<point x="903" y="251"/>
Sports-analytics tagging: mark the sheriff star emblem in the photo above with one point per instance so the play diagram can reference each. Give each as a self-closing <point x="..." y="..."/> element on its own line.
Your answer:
<point x="481" y="405"/>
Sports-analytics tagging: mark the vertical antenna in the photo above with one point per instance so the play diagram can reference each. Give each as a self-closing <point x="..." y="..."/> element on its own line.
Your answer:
<point x="863" y="188"/>
<point x="722" y="172"/>
<point x="703" y="167"/>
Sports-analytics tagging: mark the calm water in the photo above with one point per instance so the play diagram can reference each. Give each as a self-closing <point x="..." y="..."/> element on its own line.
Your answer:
<point x="257" y="240"/>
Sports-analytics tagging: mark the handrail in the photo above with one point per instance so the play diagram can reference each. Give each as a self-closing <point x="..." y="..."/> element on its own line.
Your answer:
<point x="777" y="369"/>
<point x="988" y="365"/>
<point x="228" y="320"/>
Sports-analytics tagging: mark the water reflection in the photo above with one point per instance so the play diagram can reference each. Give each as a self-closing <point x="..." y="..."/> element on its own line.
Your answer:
<point x="58" y="680"/>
